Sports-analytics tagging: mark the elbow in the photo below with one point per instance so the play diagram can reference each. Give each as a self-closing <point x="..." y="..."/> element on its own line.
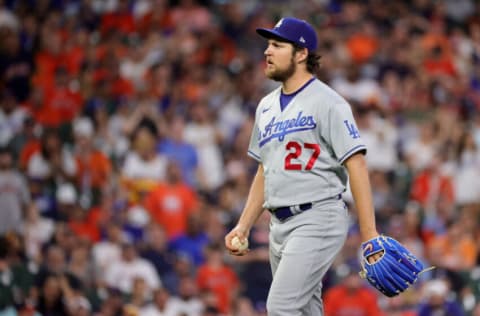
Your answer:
<point x="356" y="161"/>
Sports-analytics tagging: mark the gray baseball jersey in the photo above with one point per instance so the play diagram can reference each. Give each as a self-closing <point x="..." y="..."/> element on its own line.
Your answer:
<point x="302" y="148"/>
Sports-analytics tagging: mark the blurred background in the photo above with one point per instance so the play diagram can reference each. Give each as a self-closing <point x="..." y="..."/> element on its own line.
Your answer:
<point x="124" y="127"/>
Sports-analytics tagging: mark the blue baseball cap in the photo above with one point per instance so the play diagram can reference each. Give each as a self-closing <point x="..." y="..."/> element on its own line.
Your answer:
<point x="292" y="30"/>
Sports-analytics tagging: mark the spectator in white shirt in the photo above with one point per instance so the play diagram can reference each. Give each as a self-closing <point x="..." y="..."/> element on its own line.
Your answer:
<point x="205" y="137"/>
<point x="163" y="305"/>
<point x="143" y="163"/>
<point x="37" y="231"/>
<point x="108" y="250"/>
<point x="420" y="151"/>
<point x="122" y="273"/>
<point x="14" y="195"/>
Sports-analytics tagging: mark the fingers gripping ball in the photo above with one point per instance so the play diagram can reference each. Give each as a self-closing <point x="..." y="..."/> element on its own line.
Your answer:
<point x="396" y="269"/>
<point x="238" y="244"/>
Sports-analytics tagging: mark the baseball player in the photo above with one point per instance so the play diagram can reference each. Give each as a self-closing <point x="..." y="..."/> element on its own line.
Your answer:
<point x="307" y="145"/>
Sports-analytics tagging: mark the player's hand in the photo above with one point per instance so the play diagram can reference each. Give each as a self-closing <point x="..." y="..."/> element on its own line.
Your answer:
<point x="242" y="234"/>
<point x="375" y="257"/>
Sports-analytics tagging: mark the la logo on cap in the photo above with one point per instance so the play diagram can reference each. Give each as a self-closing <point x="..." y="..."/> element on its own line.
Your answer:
<point x="279" y="23"/>
<point x="302" y="39"/>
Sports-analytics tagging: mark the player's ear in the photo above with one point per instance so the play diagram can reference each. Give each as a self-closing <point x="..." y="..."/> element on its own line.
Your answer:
<point x="301" y="54"/>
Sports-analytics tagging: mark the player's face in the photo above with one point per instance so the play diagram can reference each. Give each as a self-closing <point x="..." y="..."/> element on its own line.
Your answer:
<point x="280" y="62"/>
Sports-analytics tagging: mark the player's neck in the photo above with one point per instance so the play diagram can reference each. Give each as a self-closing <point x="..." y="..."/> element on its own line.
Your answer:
<point x="296" y="81"/>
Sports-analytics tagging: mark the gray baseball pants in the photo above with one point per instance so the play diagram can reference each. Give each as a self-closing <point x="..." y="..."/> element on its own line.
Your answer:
<point x="302" y="248"/>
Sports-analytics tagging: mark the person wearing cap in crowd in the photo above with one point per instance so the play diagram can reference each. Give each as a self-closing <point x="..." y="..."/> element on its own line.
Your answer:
<point x="66" y="200"/>
<point x="307" y="144"/>
<point x="437" y="300"/>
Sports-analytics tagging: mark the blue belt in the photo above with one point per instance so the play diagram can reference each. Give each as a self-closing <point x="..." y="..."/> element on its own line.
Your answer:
<point x="284" y="212"/>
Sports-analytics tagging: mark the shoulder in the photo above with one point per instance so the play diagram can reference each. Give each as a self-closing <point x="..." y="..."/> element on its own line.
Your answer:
<point x="329" y="97"/>
<point x="267" y="100"/>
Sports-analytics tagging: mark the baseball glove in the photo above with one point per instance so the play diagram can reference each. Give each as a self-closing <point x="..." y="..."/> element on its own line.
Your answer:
<point x="396" y="269"/>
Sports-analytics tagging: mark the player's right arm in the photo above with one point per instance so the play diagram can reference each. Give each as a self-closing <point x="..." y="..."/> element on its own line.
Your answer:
<point x="252" y="210"/>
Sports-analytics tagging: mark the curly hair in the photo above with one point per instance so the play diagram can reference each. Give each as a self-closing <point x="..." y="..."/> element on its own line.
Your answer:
<point x="313" y="60"/>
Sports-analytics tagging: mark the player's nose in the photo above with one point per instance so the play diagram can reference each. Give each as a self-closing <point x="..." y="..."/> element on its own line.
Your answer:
<point x="267" y="51"/>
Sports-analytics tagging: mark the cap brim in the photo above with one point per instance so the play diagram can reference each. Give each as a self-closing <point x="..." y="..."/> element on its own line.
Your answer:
<point x="268" y="33"/>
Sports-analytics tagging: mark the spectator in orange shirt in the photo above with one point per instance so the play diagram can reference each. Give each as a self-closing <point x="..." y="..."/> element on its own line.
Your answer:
<point x="61" y="103"/>
<point x="47" y="59"/>
<point x="74" y="51"/>
<point x="120" y="20"/>
<point x="351" y="297"/>
<point x="94" y="168"/>
<point x="363" y="44"/>
<point x="171" y="202"/>
<point x="455" y="252"/>
<point x="438" y="63"/>
<point x="217" y="277"/>
<point x="436" y="36"/>
<point x="432" y="185"/>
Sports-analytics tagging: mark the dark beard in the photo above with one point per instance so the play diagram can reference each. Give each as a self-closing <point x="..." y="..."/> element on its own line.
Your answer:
<point x="283" y="75"/>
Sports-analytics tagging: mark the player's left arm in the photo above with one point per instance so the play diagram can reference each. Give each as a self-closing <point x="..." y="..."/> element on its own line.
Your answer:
<point x="362" y="195"/>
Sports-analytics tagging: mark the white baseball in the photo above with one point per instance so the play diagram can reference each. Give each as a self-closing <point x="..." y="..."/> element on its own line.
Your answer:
<point x="241" y="246"/>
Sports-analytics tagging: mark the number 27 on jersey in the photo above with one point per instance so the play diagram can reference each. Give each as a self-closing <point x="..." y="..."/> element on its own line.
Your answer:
<point x="295" y="150"/>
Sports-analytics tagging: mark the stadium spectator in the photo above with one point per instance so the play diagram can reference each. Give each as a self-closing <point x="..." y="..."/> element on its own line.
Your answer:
<point x="218" y="278"/>
<point x="156" y="250"/>
<point x="94" y="167"/>
<point x="194" y="240"/>
<point x="177" y="149"/>
<point x="171" y="202"/>
<point x="143" y="166"/>
<point x="12" y="117"/>
<point x="437" y="301"/>
<point x="163" y="304"/>
<point x="37" y="231"/>
<point x="121" y="274"/>
<point x="108" y="250"/>
<point x="53" y="163"/>
<point x="351" y="296"/>
<point x="189" y="301"/>
<point x="205" y="137"/>
<point x="14" y="196"/>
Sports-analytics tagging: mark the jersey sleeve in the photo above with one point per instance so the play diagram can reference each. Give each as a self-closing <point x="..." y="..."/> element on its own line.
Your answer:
<point x="253" y="147"/>
<point x="341" y="132"/>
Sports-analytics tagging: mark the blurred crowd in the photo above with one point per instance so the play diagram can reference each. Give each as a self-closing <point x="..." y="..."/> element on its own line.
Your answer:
<point x="124" y="127"/>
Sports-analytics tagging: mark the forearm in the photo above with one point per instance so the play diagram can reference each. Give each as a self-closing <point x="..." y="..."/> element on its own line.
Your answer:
<point x="362" y="195"/>
<point x="253" y="206"/>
